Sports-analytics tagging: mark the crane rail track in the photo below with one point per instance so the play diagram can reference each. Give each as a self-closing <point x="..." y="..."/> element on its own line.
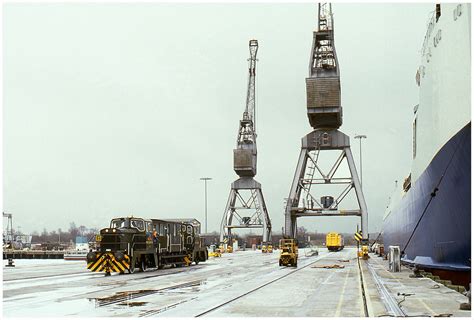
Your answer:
<point x="390" y="303"/>
<point x="363" y="285"/>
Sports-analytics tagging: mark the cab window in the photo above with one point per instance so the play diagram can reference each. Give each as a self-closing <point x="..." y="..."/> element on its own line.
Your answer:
<point x="117" y="223"/>
<point x="138" y="224"/>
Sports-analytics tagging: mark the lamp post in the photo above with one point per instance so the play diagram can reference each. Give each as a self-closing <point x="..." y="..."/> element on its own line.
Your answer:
<point x="360" y="137"/>
<point x="205" y="202"/>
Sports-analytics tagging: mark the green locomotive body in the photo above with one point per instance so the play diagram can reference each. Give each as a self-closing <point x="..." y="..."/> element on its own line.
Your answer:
<point x="131" y="242"/>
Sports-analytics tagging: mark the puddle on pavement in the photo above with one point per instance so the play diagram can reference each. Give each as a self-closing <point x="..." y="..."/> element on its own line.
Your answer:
<point x="124" y="297"/>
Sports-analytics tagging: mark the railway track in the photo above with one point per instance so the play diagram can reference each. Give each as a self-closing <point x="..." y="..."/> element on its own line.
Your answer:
<point x="88" y="274"/>
<point x="391" y="304"/>
<point x="363" y="287"/>
<point x="232" y="300"/>
<point x="127" y="296"/>
<point x="130" y="295"/>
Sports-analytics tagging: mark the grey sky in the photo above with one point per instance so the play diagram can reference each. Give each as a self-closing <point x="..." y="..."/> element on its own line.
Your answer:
<point x="114" y="109"/>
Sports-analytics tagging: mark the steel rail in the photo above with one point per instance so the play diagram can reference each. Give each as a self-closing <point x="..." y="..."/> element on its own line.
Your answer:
<point x="127" y="296"/>
<point x="260" y="287"/>
<point x="390" y="303"/>
<point x="362" y="286"/>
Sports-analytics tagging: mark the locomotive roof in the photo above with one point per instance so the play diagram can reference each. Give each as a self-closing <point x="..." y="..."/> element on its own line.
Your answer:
<point x="185" y="220"/>
<point x="191" y="221"/>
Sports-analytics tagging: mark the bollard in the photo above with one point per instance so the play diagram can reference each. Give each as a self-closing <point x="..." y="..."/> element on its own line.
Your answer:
<point x="394" y="259"/>
<point x="466" y="305"/>
<point x="10" y="263"/>
<point x="381" y="250"/>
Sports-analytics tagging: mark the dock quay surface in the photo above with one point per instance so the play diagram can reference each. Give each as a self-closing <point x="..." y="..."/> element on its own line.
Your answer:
<point x="239" y="284"/>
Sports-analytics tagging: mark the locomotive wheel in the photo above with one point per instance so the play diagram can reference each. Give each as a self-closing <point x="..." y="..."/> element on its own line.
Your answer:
<point x="131" y="269"/>
<point x="160" y="264"/>
<point x="143" y="265"/>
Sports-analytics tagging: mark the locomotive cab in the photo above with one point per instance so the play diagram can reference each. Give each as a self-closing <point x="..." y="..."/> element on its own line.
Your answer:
<point x="131" y="242"/>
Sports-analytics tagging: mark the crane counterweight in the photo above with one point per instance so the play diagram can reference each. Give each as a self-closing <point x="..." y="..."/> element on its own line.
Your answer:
<point x="323" y="87"/>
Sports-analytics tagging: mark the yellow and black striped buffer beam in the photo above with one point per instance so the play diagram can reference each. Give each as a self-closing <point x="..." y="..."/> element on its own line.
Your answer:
<point x="107" y="262"/>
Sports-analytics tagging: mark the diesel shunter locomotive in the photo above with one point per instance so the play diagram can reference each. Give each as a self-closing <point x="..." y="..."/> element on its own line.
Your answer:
<point x="135" y="243"/>
<point x="334" y="241"/>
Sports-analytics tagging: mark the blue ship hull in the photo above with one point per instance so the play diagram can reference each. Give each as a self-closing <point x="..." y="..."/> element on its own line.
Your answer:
<point x="436" y="211"/>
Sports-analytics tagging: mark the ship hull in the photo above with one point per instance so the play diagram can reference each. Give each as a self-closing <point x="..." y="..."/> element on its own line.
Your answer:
<point x="432" y="222"/>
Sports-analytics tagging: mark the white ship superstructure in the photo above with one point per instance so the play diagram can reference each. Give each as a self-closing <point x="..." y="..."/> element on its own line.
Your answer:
<point x="444" y="77"/>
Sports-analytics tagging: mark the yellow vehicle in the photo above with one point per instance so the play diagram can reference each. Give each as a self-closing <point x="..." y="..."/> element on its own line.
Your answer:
<point x="215" y="252"/>
<point x="270" y="248"/>
<point x="288" y="253"/>
<point x="229" y="249"/>
<point x="264" y="248"/>
<point x="334" y="241"/>
<point x="364" y="252"/>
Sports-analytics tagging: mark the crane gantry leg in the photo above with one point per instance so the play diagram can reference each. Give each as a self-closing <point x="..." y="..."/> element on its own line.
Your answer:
<point x="245" y="209"/>
<point x="305" y="184"/>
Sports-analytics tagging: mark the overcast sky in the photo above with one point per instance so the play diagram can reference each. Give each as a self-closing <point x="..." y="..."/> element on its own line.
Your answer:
<point x="118" y="109"/>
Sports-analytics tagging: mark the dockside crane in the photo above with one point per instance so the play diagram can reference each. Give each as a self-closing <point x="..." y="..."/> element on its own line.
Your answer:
<point x="8" y="237"/>
<point x="324" y="111"/>
<point x="245" y="206"/>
